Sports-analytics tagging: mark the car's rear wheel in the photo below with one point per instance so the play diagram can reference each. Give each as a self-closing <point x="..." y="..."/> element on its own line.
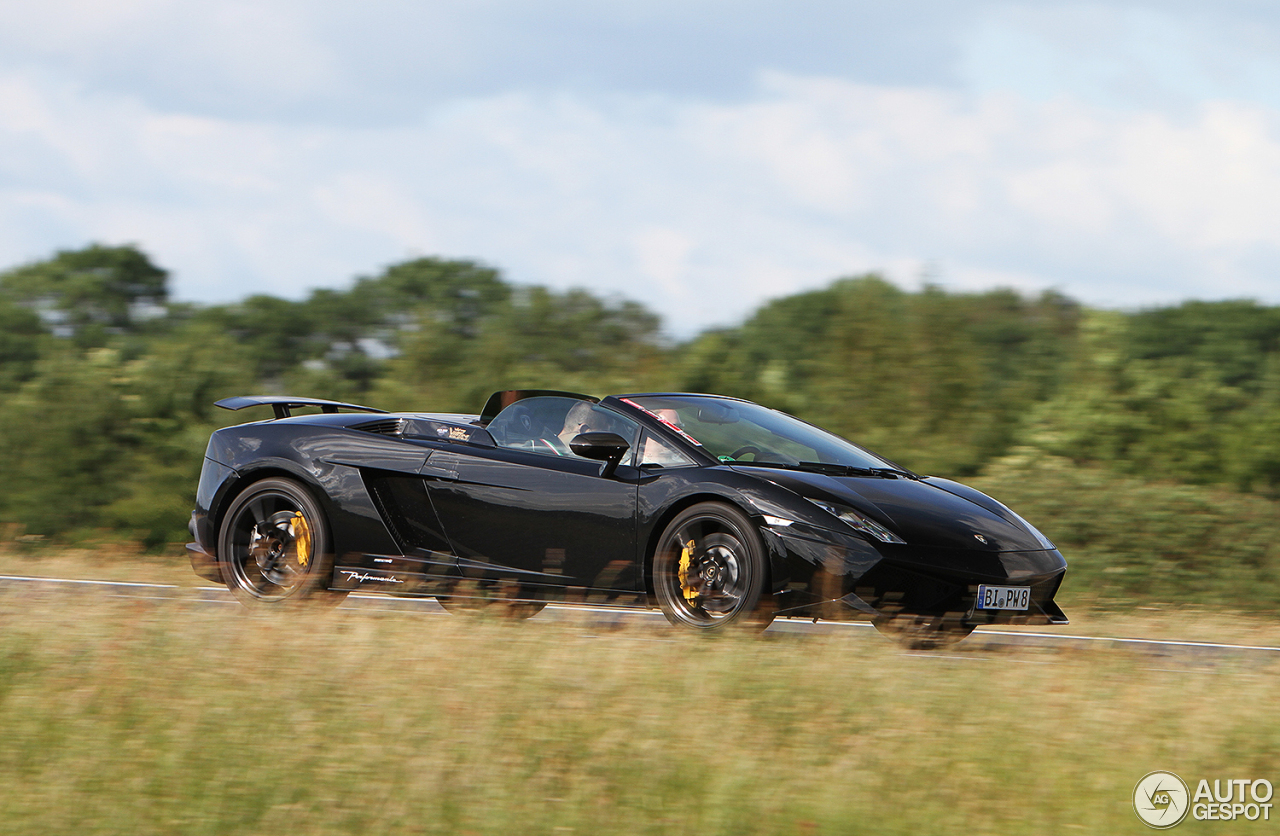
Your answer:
<point x="710" y="572"/>
<point x="274" y="545"/>
<point x="923" y="632"/>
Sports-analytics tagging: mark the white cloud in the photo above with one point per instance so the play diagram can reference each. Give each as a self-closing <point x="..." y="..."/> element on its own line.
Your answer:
<point x="662" y="257"/>
<point x="1126" y="54"/>
<point x="700" y="209"/>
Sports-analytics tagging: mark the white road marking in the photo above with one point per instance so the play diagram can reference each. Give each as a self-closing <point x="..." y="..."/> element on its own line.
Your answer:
<point x="101" y="583"/>
<point x="1170" y="642"/>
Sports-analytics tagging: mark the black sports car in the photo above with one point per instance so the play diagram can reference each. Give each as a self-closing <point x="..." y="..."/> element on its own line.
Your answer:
<point x="718" y="510"/>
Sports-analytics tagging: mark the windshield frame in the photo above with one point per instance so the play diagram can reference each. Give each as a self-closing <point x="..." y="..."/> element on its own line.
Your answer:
<point x="837" y="449"/>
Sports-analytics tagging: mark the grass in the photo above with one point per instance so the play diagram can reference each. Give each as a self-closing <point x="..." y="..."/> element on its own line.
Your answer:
<point x="116" y="562"/>
<point x="161" y="717"/>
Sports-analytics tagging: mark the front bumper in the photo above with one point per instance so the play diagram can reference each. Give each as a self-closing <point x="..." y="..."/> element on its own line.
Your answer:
<point x="833" y="575"/>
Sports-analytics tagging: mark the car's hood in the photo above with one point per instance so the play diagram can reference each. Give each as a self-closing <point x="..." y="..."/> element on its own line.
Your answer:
<point x="919" y="511"/>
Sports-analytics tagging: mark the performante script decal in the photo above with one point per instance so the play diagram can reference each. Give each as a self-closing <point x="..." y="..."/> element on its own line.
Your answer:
<point x="361" y="577"/>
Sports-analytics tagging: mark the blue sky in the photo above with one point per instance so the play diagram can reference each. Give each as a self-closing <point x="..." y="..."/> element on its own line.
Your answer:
<point x="701" y="157"/>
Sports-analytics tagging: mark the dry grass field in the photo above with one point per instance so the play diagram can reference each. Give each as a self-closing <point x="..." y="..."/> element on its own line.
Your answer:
<point x="161" y="717"/>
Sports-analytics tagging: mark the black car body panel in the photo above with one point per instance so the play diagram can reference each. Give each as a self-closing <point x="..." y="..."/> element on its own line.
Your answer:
<point x="418" y="503"/>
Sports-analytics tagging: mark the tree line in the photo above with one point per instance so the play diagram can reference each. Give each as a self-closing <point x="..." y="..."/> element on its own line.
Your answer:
<point x="107" y="383"/>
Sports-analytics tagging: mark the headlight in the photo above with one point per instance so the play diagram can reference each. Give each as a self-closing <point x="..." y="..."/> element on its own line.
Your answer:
<point x="858" y="522"/>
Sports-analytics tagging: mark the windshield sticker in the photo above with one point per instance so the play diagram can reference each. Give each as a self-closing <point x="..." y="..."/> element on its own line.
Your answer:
<point x="452" y="433"/>
<point x="664" y="422"/>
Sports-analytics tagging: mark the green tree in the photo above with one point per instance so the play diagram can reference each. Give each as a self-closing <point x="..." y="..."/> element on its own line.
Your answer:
<point x="91" y="293"/>
<point x="22" y="338"/>
<point x="98" y="441"/>
<point x="1188" y="393"/>
<point x="334" y="342"/>
<point x="936" y="380"/>
<point x="537" y="338"/>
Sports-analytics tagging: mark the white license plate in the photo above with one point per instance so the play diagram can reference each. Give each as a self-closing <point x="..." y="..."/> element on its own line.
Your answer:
<point x="1003" y="597"/>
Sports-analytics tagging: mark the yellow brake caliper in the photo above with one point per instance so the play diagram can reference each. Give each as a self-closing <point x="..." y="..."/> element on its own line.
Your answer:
<point x="690" y="594"/>
<point x="301" y="537"/>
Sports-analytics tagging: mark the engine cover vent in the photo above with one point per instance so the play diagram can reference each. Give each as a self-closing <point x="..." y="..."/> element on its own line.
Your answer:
<point x="386" y="426"/>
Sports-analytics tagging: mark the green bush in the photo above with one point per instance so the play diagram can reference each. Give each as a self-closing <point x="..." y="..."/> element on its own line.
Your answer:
<point x="1131" y="542"/>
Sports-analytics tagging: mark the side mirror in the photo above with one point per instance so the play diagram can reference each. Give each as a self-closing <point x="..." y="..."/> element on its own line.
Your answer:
<point x="604" y="447"/>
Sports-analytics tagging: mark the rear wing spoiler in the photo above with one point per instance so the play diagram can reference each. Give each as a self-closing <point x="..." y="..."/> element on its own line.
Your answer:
<point x="282" y="404"/>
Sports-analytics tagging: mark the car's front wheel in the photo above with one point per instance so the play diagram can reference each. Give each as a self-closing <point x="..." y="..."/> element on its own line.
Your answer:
<point x="274" y="545"/>
<point x="710" y="572"/>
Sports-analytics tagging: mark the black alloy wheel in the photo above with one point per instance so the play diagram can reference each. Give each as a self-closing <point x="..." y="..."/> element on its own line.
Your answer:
<point x="709" y="570"/>
<point x="274" y="545"/>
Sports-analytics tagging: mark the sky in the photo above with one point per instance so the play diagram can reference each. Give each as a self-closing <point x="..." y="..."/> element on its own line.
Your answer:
<point x="700" y="156"/>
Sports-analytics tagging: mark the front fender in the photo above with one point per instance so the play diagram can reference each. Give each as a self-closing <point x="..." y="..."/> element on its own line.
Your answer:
<point x="664" y="494"/>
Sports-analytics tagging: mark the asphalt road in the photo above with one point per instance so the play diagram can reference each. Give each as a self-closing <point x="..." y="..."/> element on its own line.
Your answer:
<point x="604" y="618"/>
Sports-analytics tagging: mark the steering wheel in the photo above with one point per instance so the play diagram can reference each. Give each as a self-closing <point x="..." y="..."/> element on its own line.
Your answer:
<point x="742" y="451"/>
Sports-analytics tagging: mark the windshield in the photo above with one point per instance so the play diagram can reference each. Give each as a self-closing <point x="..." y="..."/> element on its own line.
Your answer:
<point x="744" y="432"/>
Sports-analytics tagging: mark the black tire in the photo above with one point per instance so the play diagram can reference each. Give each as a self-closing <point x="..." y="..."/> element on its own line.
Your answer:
<point x="710" y="572"/>
<point x="923" y="632"/>
<point x="274" y="546"/>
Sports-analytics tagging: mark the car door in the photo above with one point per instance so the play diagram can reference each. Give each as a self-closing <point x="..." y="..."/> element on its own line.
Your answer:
<point x="391" y="536"/>
<point x="530" y="511"/>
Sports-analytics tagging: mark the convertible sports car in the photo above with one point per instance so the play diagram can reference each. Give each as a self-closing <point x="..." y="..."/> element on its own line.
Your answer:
<point x="717" y="510"/>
